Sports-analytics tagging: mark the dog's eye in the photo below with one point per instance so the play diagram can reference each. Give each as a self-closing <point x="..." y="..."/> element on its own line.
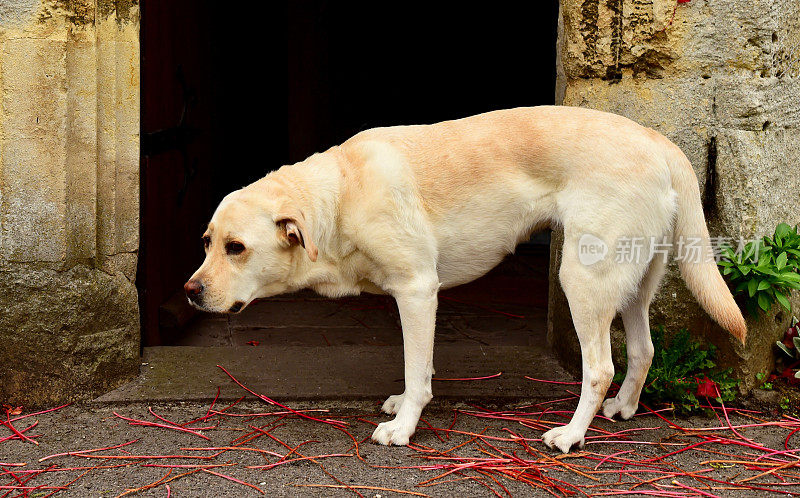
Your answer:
<point x="206" y="241"/>
<point x="234" y="247"/>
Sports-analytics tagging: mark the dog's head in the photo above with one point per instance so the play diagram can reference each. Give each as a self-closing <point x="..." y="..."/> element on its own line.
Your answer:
<point x="251" y="244"/>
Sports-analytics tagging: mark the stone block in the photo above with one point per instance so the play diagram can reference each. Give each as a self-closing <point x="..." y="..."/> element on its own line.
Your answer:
<point x="758" y="181"/>
<point x="32" y="211"/>
<point x="118" y="137"/>
<point x="65" y="335"/>
<point x="18" y="12"/>
<point x="610" y="39"/>
<point x="69" y="184"/>
<point x="81" y="150"/>
<point x="33" y="91"/>
<point x="757" y="104"/>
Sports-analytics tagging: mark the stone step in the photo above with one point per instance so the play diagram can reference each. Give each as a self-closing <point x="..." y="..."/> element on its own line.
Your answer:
<point x="336" y="372"/>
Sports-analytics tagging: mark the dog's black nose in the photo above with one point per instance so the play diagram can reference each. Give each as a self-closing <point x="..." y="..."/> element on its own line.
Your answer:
<point x="193" y="289"/>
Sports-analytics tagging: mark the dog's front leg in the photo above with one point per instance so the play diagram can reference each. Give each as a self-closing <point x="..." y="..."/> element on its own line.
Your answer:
<point x="417" y="305"/>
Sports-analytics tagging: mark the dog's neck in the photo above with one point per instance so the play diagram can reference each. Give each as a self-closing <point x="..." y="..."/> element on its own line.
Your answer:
<point x="322" y="176"/>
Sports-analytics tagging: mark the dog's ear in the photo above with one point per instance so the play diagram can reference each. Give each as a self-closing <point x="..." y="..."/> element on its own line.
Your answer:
<point x="293" y="226"/>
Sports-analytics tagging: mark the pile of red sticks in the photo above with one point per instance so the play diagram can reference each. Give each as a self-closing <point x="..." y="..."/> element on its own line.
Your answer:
<point x="504" y="458"/>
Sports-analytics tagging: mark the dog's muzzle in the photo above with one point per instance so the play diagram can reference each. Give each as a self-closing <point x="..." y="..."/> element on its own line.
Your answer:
<point x="194" y="291"/>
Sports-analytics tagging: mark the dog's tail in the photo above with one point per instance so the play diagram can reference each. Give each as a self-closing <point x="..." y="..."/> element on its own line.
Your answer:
<point x="700" y="270"/>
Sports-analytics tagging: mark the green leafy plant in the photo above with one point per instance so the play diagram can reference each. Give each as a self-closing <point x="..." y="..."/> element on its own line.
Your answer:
<point x="766" y="270"/>
<point x="682" y="371"/>
<point x="763" y="379"/>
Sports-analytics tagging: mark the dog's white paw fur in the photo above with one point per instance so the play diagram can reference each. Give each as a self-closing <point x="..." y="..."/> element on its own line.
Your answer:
<point x="394" y="432"/>
<point x="392" y="405"/>
<point x="563" y="438"/>
<point x="613" y="406"/>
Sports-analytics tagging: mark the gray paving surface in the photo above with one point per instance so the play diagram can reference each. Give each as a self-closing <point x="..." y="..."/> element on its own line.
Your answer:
<point x="94" y="426"/>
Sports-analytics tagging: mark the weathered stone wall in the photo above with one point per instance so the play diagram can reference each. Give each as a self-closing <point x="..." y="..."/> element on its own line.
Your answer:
<point x="721" y="79"/>
<point x="69" y="189"/>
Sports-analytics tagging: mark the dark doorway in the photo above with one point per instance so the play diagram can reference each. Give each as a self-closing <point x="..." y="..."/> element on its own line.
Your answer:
<point x="229" y="95"/>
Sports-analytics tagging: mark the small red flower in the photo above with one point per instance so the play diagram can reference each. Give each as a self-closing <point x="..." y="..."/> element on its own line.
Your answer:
<point x="253" y="343"/>
<point x="684" y="1"/>
<point x="707" y="387"/>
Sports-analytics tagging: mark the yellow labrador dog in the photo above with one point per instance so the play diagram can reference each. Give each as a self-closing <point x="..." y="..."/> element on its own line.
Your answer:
<point x="408" y="210"/>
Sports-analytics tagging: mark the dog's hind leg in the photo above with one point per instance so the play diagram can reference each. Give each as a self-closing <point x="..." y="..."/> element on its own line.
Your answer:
<point x="593" y="299"/>
<point x="638" y="344"/>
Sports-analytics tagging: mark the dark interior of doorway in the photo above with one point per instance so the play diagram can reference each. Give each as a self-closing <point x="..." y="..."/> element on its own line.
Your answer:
<point x="230" y="93"/>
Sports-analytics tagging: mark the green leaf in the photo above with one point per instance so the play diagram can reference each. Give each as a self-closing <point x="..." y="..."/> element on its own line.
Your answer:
<point x="793" y="285"/>
<point x="764" y="302"/>
<point x="790" y="276"/>
<point x="786" y="350"/>
<point x="767" y="271"/>
<point x="749" y="251"/>
<point x="752" y="285"/>
<point x="782" y="230"/>
<point x="780" y="261"/>
<point x="764" y="284"/>
<point x="784" y="302"/>
<point x="796" y="341"/>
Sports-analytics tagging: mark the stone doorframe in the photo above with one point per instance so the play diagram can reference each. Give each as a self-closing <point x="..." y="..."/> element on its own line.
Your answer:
<point x="69" y="198"/>
<point x="716" y="76"/>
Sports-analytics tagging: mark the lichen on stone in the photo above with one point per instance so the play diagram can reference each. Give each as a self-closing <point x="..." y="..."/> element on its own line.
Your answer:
<point x="613" y="71"/>
<point x="589" y="31"/>
<point x="76" y="12"/>
<point x="125" y="10"/>
<point x="82" y="12"/>
<point x="617" y="36"/>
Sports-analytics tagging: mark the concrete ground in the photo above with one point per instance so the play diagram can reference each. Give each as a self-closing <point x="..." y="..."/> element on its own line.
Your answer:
<point x="345" y="356"/>
<point x="600" y="468"/>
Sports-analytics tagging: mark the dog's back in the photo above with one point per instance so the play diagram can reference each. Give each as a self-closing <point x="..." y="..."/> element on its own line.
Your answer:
<point x="486" y="182"/>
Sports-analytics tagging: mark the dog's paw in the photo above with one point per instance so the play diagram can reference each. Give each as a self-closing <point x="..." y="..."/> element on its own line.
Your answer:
<point x="563" y="438"/>
<point x="613" y="406"/>
<point x="392" y="405"/>
<point x="392" y="433"/>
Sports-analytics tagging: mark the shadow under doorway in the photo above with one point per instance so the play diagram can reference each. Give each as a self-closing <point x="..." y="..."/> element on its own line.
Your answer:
<point x="225" y="103"/>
